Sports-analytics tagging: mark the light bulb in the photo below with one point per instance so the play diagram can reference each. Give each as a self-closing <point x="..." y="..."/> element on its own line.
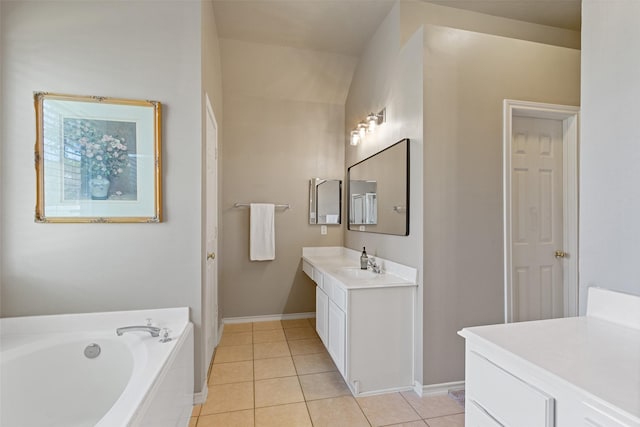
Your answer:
<point x="372" y="120"/>
<point x="362" y="130"/>
<point x="355" y="137"/>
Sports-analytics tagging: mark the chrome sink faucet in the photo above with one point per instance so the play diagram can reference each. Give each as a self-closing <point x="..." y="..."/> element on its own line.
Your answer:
<point x="374" y="266"/>
<point x="154" y="331"/>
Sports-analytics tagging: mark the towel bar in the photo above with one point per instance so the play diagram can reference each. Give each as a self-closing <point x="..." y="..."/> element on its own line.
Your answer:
<point x="244" y="205"/>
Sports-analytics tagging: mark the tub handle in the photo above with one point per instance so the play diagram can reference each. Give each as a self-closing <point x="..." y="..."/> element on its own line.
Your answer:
<point x="165" y="335"/>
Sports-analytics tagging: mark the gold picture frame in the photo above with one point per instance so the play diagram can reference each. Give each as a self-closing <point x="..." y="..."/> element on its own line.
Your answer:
<point x="97" y="159"/>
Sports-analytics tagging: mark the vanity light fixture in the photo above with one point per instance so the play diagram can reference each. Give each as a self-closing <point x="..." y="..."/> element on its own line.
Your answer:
<point x="369" y="125"/>
<point x="373" y="120"/>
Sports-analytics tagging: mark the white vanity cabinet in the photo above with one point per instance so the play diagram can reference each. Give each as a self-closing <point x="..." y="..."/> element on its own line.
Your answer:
<point x="366" y="323"/>
<point x="573" y="372"/>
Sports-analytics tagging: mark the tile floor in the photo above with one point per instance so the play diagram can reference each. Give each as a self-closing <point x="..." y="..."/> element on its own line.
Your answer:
<point x="279" y="374"/>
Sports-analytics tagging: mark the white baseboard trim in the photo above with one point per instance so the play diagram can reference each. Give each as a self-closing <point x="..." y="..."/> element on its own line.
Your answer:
<point x="219" y="337"/>
<point x="385" y="391"/>
<point x="267" y="318"/>
<point x="437" y="389"/>
<point x="201" y="397"/>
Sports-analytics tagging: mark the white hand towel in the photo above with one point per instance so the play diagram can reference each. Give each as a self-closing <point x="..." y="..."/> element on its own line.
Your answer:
<point x="263" y="235"/>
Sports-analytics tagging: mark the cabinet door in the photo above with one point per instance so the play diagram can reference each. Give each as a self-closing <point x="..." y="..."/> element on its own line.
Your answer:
<point x="337" y="330"/>
<point x="322" y="311"/>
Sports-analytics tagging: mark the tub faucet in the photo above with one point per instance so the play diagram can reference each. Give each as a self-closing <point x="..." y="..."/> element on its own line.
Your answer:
<point x="155" y="332"/>
<point x="374" y="267"/>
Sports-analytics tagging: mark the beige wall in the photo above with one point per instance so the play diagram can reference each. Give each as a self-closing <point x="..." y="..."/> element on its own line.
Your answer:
<point x="284" y="124"/>
<point x="390" y="76"/>
<point x="609" y="149"/>
<point x="416" y="13"/>
<point x="456" y="241"/>
<point x="1" y="144"/>
<point x="151" y="52"/>
<point x="467" y="76"/>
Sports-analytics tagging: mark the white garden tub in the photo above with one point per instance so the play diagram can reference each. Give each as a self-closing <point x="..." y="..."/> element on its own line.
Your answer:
<point x="136" y="380"/>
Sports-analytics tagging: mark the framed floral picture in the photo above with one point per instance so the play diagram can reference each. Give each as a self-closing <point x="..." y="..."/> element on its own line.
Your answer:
<point x="97" y="159"/>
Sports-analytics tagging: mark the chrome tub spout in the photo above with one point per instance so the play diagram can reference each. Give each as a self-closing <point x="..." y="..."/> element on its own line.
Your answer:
<point x="155" y="332"/>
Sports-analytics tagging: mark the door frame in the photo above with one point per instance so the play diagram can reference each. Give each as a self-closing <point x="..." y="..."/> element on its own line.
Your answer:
<point x="570" y="117"/>
<point x="210" y="314"/>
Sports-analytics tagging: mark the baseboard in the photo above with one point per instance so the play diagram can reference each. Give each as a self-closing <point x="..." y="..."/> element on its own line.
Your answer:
<point x="220" y="331"/>
<point x="437" y="389"/>
<point x="201" y="397"/>
<point x="384" y="391"/>
<point x="267" y="318"/>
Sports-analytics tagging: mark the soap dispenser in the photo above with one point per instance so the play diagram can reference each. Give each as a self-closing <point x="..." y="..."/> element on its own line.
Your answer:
<point x="364" y="260"/>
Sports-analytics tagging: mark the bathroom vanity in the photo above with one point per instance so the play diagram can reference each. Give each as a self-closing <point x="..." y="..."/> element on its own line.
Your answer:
<point x="364" y="319"/>
<point x="572" y="372"/>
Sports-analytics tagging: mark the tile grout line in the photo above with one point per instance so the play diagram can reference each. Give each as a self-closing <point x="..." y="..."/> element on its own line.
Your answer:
<point x="362" y="410"/>
<point x="253" y="372"/>
<point x="298" y="375"/>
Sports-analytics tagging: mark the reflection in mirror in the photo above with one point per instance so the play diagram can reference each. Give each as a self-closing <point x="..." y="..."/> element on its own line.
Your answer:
<point x="325" y="201"/>
<point x="364" y="204"/>
<point x="378" y="191"/>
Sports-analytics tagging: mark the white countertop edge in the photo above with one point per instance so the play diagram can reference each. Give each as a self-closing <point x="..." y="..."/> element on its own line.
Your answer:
<point x="405" y="272"/>
<point x="398" y="282"/>
<point x="613" y="306"/>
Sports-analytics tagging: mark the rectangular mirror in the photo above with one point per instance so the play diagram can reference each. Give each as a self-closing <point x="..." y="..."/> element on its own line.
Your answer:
<point x="378" y="189"/>
<point x="325" y="201"/>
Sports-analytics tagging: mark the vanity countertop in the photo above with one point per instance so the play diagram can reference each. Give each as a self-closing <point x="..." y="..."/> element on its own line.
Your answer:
<point x="599" y="357"/>
<point x="343" y="265"/>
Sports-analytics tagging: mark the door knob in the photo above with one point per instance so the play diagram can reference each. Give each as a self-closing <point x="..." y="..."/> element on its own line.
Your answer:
<point x="560" y="254"/>
<point x="211" y="255"/>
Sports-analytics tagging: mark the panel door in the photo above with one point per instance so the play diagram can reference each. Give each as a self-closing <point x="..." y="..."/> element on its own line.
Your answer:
<point x="210" y="309"/>
<point x="537" y="219"/>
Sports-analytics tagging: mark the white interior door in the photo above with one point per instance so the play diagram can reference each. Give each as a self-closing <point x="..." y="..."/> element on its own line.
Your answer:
<point x="537" y="218"/>
<point x="211" y="287"/>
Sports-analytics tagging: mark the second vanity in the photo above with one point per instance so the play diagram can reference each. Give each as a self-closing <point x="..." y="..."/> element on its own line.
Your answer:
<point x="364" y="319"/>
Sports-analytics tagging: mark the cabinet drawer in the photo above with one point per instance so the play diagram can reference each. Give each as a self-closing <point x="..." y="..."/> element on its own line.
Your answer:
<point x="506" y="398"/>
<point x="318" y="278"/>
<point x="476" y="416"/>
<point x="339" y="296"/>
<point x="307" y="268"/>
<point x="596" y="417"/>
<point x="336" y="292"/>
<point x="329" y="285"/>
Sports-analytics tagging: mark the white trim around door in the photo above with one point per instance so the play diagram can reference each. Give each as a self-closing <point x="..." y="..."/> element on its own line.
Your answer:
<point x="570" y="116"/>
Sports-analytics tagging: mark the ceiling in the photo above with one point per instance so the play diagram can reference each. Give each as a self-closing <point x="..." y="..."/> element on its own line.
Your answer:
<point x="335" y="26"/>
<point x="345" y="26"/>
<point x="554" y="13"/>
